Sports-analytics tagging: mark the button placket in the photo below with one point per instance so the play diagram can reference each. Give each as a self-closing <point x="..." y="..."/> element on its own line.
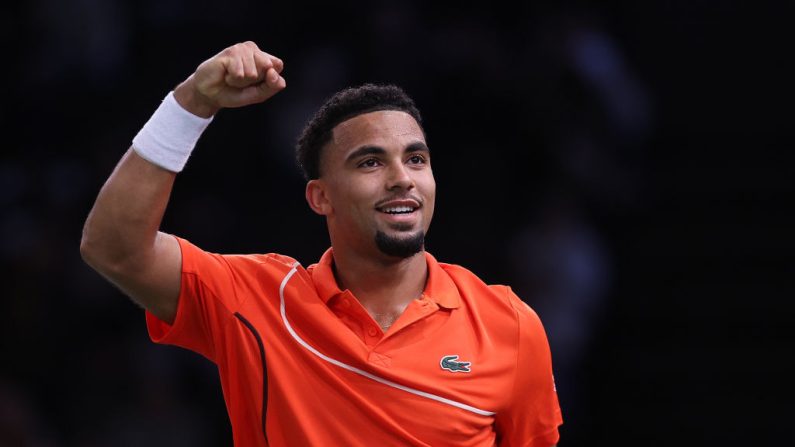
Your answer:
<point x="414" y="313"/>
<point x="380" y="359"/>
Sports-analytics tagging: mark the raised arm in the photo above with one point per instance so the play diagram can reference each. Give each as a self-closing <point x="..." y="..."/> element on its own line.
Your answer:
<point x="120" y="237"/>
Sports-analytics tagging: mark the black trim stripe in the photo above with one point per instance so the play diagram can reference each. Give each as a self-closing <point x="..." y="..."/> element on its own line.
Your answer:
<point x="264" y="369"/>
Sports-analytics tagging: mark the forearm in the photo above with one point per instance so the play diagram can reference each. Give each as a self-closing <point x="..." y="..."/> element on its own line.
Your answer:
<point x="120" y="237"/>
<point x="121" y="233"/>
<point x="121" y="229"/>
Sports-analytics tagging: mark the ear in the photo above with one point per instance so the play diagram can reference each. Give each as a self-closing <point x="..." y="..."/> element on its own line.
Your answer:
<point x="317" y="197"/>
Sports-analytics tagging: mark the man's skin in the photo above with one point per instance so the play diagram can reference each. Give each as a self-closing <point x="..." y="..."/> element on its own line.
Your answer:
<point x="120" y="237"/>
<point x="374" y="161"/>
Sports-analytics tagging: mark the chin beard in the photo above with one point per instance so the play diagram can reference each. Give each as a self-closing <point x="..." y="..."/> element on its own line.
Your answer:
<point x="400" y="247"/>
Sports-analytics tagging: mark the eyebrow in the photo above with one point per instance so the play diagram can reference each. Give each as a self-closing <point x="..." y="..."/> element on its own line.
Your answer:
<point x="378" y="150"/>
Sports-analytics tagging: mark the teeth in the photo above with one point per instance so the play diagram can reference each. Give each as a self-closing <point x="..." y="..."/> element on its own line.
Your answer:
<point x="398" y="209"/>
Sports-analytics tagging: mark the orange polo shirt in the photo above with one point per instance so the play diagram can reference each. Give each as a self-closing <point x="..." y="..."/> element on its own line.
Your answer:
<point x="302" y="363"/>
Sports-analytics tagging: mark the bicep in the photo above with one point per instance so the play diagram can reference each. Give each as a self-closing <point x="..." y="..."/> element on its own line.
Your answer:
<point x="155" y="281"/>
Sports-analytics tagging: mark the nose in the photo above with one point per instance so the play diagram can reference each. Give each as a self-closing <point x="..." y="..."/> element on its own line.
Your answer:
<point x="399" y="177"/>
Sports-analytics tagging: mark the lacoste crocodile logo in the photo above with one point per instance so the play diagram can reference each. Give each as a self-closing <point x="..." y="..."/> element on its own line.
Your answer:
<point x="451" y="363"/>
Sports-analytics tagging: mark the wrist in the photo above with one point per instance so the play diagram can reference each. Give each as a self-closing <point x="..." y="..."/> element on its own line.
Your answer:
<point x="189" y="98"/>
<point x="170" y="135"/>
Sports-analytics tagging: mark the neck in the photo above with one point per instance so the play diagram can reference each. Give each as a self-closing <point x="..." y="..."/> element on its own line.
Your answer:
<point x="384" y="285"/>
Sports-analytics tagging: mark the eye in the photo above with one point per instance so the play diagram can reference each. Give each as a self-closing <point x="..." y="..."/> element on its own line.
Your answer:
<point x="369" y="163"/>
<point x="416" y="159"/>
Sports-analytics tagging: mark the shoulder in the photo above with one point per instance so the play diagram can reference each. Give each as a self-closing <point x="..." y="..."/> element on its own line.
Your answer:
<point x="468" y="283"/>
<point x="262" y="260"/>
<point x="233" y="267"/>
<point x="492" y="301"/>
<point x="495" y="300"/>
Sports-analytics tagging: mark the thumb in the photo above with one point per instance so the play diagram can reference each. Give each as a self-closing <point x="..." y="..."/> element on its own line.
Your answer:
<point x="273" y="84"/>
<point x="258" y="92"/>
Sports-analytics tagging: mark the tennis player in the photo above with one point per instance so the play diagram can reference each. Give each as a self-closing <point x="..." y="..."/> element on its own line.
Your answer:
<point x="377" y="343"/>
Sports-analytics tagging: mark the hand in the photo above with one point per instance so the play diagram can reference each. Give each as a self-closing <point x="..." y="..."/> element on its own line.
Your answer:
<point x="237" y="76"/>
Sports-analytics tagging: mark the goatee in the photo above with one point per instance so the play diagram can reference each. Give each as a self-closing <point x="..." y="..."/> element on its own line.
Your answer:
<point x="400" y="247"/>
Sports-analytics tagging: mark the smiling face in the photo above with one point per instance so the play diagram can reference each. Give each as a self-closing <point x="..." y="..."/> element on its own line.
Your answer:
<point x="376" y="186"/>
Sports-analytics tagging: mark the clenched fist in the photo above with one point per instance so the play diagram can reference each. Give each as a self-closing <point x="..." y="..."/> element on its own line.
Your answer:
<point x="237" y="76"/>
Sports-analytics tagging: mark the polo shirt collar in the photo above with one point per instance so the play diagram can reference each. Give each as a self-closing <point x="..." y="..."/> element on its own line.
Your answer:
<point x="439" y="288"/>
<point x="323" y="277"/>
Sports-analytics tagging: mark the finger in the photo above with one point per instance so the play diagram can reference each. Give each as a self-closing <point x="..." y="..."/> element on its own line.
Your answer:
<point x="249" y="66"/>
<point x="277" y="85"/>
<point x="281" y="84"/>
<point x="278" y="64"/>
<point x="272" y="77"/>
<point x="274" y="84"/>
<point x="258" y="58"/>
<point x="235" y="71"/>
<point x="259" y="92"/>
<point x="264" y="64"/>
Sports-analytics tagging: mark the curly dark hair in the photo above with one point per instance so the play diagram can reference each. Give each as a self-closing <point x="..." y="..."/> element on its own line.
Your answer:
<point x="342" y="106"/>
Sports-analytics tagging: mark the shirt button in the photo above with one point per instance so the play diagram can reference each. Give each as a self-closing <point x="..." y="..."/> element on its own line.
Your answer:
<point x="372" y="331"/>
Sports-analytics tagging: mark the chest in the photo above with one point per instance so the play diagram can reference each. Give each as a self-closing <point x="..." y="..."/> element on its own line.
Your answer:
<point x="414" y="385"/>
<point x="436" y="377"/>
<point x="428" y="353"/>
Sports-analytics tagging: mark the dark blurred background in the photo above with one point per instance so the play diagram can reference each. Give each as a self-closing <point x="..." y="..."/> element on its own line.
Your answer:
<point x="625" y="166"/>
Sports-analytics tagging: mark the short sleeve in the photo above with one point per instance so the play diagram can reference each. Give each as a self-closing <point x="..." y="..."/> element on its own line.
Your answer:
<point x="207" y="300"/>
<point x="533" y="416"/>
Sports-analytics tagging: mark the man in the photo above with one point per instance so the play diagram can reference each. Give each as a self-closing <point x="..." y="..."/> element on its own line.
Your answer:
<point x="377" y="343"/>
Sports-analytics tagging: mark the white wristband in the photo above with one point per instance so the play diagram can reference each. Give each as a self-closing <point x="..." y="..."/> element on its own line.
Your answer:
<point x="169" y="136"/>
